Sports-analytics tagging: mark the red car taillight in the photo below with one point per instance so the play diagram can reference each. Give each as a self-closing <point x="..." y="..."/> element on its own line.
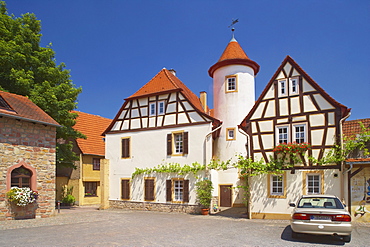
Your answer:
<point x="341" y="217"/>
<point x="299" y="216"/>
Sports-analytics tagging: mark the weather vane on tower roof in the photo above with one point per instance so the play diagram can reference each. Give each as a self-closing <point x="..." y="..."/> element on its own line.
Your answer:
<point x="233" y="22"/>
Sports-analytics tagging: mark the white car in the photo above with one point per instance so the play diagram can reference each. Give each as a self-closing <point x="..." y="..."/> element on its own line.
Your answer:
<point x="321" y="215"/>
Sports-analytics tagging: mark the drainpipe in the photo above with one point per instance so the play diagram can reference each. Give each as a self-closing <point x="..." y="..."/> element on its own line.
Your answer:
<point x="341" y="146"/>
<point x="248" y="148"/>
<point x="205" y="146"/>
<point x="248" y="155"/>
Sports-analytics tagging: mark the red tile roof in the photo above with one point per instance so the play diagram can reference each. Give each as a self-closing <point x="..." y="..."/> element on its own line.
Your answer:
<point x="91" y="126"/>
<point x="163" y="82"/>
<point x="353" y="127"/>
<point x="350" y="129"/>
<point x="20" y="107"/>
<point x="234" y="54"/>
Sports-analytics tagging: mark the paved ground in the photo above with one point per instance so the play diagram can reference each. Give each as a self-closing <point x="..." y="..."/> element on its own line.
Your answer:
<point x="92" y="227"/>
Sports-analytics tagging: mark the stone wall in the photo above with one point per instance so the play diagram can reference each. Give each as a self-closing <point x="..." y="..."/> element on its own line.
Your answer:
<point x="151" y="206"/>
<point x="33" y="145"/>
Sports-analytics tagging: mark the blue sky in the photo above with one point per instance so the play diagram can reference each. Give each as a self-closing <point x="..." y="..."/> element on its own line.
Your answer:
<point x="113" y="47"/>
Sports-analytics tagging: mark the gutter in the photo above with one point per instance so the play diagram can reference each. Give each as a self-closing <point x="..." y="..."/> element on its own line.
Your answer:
<point x="30" y="120"/>
<point x="341" y="146"/>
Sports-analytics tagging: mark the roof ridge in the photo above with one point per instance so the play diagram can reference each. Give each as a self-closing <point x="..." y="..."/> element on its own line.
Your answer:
<point x="166" y="71"/>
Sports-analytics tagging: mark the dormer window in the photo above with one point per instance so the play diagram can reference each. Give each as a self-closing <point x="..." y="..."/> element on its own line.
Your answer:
<point x="231" y="84"/>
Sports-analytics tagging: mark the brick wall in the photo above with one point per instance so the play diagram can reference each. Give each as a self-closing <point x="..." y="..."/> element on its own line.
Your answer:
<point x="31" y="144"/>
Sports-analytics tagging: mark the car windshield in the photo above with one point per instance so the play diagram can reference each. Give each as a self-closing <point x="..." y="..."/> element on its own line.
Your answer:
<point x="320" y="202"/>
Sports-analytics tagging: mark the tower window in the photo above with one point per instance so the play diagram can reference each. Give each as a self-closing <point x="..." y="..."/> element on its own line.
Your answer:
<point x="231" y="84"/>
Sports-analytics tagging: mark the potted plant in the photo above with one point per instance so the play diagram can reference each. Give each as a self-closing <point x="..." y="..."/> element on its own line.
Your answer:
<point x="67" y="198"/>
<point x="21" y="196"/>
<point x="204" y="190"/>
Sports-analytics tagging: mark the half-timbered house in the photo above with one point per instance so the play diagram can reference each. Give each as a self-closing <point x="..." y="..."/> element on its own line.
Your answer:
<point x="294" y="109"/>
<point x="162" y="123"/>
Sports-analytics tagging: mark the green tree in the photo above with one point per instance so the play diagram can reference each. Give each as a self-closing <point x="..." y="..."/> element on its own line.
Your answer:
<point x="30" y="70"/>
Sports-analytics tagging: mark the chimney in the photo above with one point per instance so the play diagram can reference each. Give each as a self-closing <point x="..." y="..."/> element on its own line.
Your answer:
<point x="172" y="71"/>
<point x="203" y="100"/>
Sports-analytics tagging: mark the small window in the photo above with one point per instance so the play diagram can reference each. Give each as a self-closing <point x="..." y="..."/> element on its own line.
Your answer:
<point x="177" y="190"/>
<point x="21" y="177"/>
<point x="282" y="88"/>
<point x="96" y="164"/>
<point x="160" y="107"/>
<point x="125" y="148"/>
<point x="91" y="188"/>
<point x="300" y="133"/>
<point x="293" y="85"/>
<point x="149" y="189"/>
<point x="277" y="185"/>
<point x="282" y="135"/>
<point x="313" y="184"/>
<point x="125" y="189"/>
<point x="230" y="134"/>
<point x="231" y="84"/>
<point x="152" y="110"/>
<point x="177" y="143"/>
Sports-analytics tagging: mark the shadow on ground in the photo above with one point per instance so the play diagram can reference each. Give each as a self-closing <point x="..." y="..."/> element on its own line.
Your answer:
<point x="311" y="239"/>
<point x="232" y="213"/>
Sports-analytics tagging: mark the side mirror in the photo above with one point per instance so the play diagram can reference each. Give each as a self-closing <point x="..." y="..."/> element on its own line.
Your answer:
<point x="292" y="204"/>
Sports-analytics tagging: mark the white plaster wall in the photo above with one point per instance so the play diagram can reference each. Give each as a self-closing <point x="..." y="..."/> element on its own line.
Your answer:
<point x="261" y="203"/>
<point x="148" y="149"/>
<point x="231" y="108"/>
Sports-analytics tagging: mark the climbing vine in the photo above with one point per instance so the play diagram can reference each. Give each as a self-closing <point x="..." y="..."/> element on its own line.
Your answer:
<point x="194" y="168"/>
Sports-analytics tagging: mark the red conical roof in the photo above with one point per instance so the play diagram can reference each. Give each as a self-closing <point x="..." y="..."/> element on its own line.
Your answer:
<point x="234" y="54"/>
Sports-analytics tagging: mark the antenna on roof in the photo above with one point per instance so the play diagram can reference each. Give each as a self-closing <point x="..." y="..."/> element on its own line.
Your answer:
<point x="233" y="22"/>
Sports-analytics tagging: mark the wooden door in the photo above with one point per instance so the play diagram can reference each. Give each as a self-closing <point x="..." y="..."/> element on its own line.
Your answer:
<point x="225" y="195"/>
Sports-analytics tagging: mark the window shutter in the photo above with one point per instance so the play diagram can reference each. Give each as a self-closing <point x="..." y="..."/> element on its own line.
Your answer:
<point x="149" y="190"/>
<point x="186" y="141"/>
<point x="186" y="190"/>
<point x="169" y="190"/>
<point x="126" y="148"/>
<point x="169" y="144"/>
<point x="125" y="189"/>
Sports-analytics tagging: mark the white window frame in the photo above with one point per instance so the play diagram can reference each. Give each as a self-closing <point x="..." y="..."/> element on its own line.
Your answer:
<point x="282" y="87"/>
<point x="295" y="133"/>
<point x="277" y="185"/>
<point x="231" y="80"/>
<point x="293" y="86"/>
<point x="178" y="143"/>
<point x="178" y="190"/>
<point x="152" y="109"/>
<point x="278" y="128"/>
<point x="161" y="106"/>
<point x="316" y="188"/>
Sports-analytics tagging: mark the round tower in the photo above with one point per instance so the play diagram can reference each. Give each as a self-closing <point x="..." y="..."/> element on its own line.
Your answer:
<point x="234" y="96"/>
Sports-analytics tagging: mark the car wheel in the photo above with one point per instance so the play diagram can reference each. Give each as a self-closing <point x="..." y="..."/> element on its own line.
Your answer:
<point x="347" y="239"/>
<point x="294" y="234"/>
